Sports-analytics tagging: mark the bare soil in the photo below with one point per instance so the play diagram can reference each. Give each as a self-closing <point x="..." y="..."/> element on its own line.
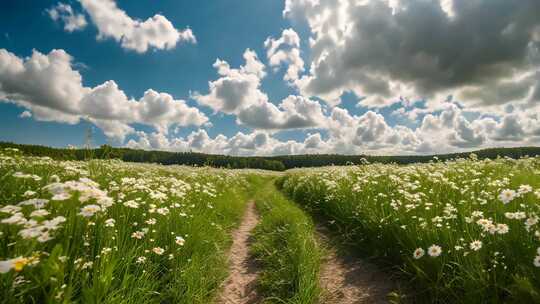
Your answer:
<point x="240" y="286"/>
<point x="346" y="279"/>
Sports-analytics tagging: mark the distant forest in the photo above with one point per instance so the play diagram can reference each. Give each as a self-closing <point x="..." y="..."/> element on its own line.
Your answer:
<point x="276" y="163"/>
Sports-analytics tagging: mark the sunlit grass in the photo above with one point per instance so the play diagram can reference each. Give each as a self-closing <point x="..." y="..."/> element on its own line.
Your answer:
<point x="285" y="246"/>
<point x="123" y="233"/>
<point x="450" y="228"/>
<point x="113" y="232"/>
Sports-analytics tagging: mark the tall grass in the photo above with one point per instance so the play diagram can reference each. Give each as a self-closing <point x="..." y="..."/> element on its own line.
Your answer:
<point x="462" y="232"/>
<point x="113" y="232"/>
<point x="285" y="246"/>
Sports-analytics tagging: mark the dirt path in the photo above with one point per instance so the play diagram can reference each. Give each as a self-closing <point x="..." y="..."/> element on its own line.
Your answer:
<point x="239" y="288"/>
<point x="346" y="279"/>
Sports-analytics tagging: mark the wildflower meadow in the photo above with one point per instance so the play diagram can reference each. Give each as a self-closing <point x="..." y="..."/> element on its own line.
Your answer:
<point x="107" y="231"/>
<point x="463" y="231"/>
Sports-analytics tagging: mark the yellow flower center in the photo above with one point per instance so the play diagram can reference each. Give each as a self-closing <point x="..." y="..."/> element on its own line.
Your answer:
<point x="19" y="264"/>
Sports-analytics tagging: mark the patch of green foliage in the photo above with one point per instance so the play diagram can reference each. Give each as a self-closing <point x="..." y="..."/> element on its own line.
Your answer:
<point x="149" y="233"/>
<point x="286" y="249"/>
<point x="465" y="231"/>
<point x="275" y="163"/>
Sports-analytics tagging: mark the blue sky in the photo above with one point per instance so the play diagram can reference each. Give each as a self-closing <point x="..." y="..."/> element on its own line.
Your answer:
<point x="362" y="77"/>
<point x="176" y="71"/>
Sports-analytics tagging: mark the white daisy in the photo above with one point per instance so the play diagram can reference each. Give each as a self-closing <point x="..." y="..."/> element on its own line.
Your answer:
<point x="475" y="245"/>
<point x="434" y="250"/>
<point x="507" y="196"/>
<point x="158" y="250"/>
<point x="180" y="240"/>
<point x="418" y="253"/>
<point x="89" y="210"/>
<point x="536" y="261"/>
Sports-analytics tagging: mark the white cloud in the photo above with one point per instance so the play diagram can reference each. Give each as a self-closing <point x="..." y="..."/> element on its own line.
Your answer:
<point x="451" y="129"/>
<point x="286" y="50"/>
<point x="294" y="112"/>
<point x="155" y="32"/>
<point x="466" y="134"/>
<point x="509" y="129"/>
<point x="114" y="129"/>
<point x="314" y="141"/>
<point x="484" y="95"/>
<point x="159" y="110"/>
<point x="452" y="98"/>
<point x="25" y="114"/>
<point x="64" y="12"/>
<point x="238" y="92"/>
<point x="236" y="89"/>
<point x="387" y="49"/>
<point x="368" y="132"/>
<point x="49" y="87"/>
<point x="44" y="81"/>
<point x="198" y="141"/>
<point x="440" y="132"/>
<point x="255" y="143"/>
<point x="371" y="128"/>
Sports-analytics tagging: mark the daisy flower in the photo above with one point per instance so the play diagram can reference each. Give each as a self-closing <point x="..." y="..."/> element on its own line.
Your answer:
<point x="180" y="241"/>
<point x="418" y="253"/>
<point x="434" y="250"/>
<point x="89" y="210"/>
<point x="507" y="196"/>
<point x="158" y="250"/>
<point x="141" y="260"/>
<point x="137" y="235"/>
<point x="110" y="222"/>
<point x="475" y="245"/>
<point x="536" y="261"/>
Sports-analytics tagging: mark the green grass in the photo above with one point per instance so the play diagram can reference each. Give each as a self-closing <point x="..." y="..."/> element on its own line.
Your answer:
<point x="107" y="231"/>
<point x="389" y="211"/>
<point x="285" y="246"/>
<point x="87" y="261"/>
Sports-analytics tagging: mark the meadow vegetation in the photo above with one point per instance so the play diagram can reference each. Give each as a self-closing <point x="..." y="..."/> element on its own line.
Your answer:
<point x="107" y="231"/>
<point x="113" y="232"/>
<point x="286" y="249"/>
<point x="464" y="231"/>
<point x="275" y="163"/>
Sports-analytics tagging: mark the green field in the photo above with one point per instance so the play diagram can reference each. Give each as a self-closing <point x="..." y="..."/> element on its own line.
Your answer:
<point x="460" y="232"/>
<point x="107" y="231"/>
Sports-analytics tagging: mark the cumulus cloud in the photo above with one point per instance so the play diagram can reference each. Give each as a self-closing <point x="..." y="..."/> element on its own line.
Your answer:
<point x="368" y="132"/>
<point x="371" y="127"/>
<point x="64" y="12"/>
<point x="466" y="134"/>
<point x="49" y="87"/>
<point x="285" y="51"/>
<point x="160" y="110"/>
<point x="382" y="49"/>
<point x="254" y="143"/>
<point x="510" y="129"/>
<point x="451" y="129"/>
<point x="238" y="92"/>
<point x="25" y="114"/>
<point x="44" y="83"/>
<point x="236" y="89"/>
<point x="462" y="74"/>
<point x="443" y="131"/>
<point x="200" y="141"/>
<point x="155" y="32"/>
<point x="294" y="112"/>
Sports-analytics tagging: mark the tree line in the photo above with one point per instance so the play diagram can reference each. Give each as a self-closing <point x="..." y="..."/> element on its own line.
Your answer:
<point x="275" y="163"/>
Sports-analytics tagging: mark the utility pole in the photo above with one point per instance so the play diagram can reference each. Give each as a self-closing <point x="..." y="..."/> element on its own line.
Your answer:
<point x="88" y="138"/>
